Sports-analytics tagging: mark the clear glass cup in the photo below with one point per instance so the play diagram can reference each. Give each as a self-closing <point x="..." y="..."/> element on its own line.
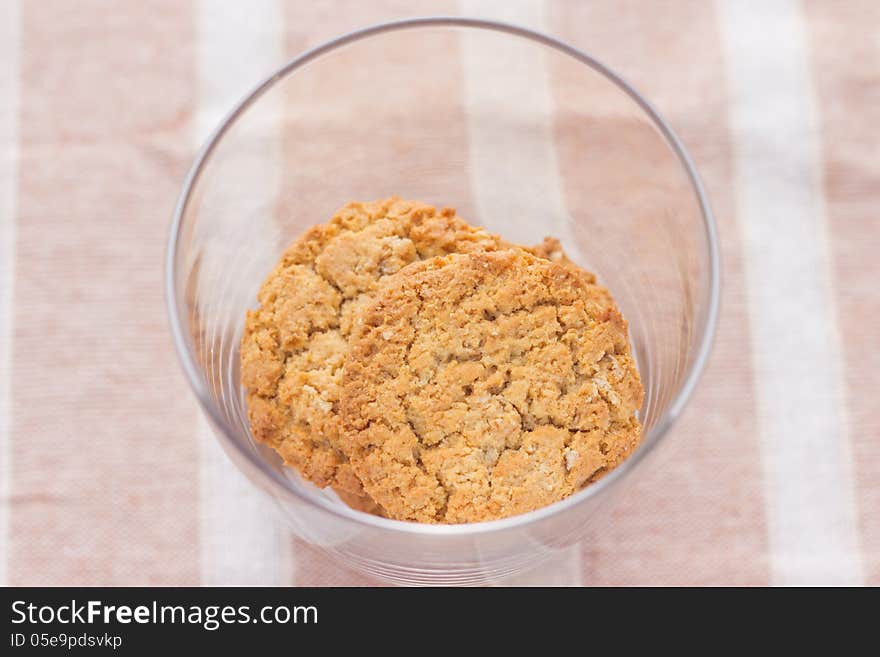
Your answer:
<point x="522" y="134"/>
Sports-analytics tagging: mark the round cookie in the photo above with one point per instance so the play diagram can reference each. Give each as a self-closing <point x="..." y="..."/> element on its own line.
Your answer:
<point x="485" y="385"/>
<point x="293" y="344"/>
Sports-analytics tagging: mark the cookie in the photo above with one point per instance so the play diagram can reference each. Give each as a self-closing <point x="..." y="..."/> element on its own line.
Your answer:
<point x="479" y="386"/>
<point x="294" y="343"/>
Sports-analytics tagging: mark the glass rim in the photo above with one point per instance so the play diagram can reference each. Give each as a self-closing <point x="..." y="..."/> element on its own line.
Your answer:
<point x="254" y="465"/>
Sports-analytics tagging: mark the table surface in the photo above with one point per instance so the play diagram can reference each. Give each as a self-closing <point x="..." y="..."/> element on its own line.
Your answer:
<point x="108" y="474"/>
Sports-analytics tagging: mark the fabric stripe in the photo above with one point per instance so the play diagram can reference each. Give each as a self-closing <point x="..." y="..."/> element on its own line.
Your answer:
<point x="10" y="33"/>
<point x="498" y="165"/>
<point x="846" y="65"/>
<point x="693" y="513"/>
<point x="802" y="415"/>
<point x="104" y="461"/>
<point x="311" y="194"/>
<point x="242" y="537"/>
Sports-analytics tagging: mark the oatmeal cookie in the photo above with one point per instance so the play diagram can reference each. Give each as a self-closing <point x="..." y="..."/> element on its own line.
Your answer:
<point x="484" y="385"/>
<point x="293" y="344"/>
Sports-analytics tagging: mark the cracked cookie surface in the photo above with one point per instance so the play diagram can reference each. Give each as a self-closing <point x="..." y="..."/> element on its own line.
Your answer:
<point x="484" y="385"/>
<point x="294" y="343"/>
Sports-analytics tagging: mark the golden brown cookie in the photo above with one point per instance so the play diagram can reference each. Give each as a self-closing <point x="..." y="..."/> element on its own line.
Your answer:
<point x="293" y="344"/>
<point x="484" y="385"/>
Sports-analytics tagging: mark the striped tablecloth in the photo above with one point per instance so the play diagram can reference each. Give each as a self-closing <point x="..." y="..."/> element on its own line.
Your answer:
<point x="108" y="474"/>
